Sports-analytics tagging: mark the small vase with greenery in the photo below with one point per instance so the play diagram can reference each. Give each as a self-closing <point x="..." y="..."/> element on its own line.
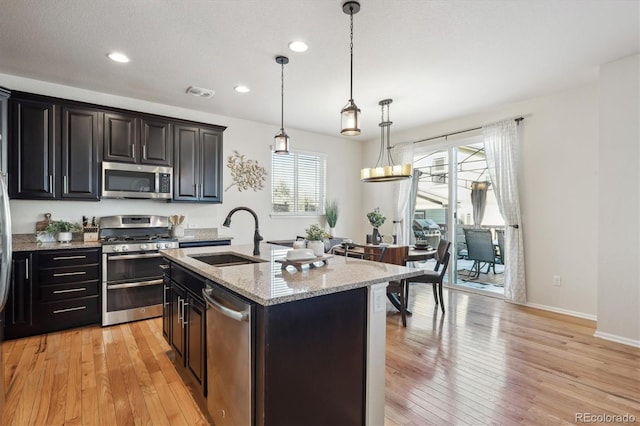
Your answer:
<point x="331" y="213"/>
<point x="315" y="239"/>
<point x="376" y="219"/>
<point x="62" y="229"/>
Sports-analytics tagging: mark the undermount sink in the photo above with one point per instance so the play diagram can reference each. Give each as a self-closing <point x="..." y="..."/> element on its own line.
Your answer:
<point x="225" y="259"/>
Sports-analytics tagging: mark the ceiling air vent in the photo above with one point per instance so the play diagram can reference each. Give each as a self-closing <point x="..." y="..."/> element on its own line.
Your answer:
<point x="200" y="92"/>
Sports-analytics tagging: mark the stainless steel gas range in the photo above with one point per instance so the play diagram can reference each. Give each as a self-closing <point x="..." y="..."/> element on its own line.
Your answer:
<point x="132" y="266"/>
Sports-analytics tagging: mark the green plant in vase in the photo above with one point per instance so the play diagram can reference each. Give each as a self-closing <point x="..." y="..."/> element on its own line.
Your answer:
<point x="331" y="213"/>
<point x="315" y="239"/>
<point x="376" y="219"/>
<point x="63" y="229"/>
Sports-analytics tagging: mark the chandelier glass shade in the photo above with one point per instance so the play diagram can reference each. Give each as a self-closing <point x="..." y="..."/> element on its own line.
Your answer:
<point x="350" y="114"/>
<point x="385" y="170"/>
<point x="281" y="140"/>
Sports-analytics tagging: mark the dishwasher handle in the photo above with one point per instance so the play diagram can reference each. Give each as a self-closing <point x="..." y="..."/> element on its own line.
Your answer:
<point x="236" y="315"/>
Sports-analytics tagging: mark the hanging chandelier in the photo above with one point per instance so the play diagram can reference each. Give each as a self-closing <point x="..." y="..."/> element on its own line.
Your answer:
<point x="281" y="140"/>
<point x="350" y="113"/>
<point x="385" y="170"/>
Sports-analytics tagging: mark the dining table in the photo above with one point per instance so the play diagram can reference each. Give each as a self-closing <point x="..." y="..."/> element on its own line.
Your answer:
<point x="395" y="254"/>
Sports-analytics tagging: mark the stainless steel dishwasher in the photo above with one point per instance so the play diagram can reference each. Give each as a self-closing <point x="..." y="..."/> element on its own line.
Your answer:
<point x="229" y="357"/>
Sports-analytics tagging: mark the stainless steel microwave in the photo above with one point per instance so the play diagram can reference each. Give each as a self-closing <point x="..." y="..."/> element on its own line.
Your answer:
<point x="123" y="180"/>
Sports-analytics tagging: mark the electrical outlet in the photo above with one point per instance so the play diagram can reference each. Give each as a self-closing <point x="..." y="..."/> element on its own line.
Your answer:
<point x="193" y="225"/>
<point x="557" y="281"/>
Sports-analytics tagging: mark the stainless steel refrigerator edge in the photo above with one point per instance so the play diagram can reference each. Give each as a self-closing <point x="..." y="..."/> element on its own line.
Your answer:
<point x="5" y="266"/>
<point x="5" y="231"/>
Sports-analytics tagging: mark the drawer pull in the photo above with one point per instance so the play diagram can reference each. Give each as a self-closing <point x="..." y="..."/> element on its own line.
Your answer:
<point x="62" y="311"/>
<point x="66" y="274"/>
<point x="71" y="290"/>
<point x="69" y="257"/>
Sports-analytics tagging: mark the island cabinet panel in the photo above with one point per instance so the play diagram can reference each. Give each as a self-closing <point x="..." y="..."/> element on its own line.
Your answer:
<point x="310" y="361"/>
<point x="32" y="149"/>
<point x="52" y="291"/>
<point x="184" y="323"/>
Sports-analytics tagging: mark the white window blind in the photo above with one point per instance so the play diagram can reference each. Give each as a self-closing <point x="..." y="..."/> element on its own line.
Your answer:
<point x="297" y="183"/>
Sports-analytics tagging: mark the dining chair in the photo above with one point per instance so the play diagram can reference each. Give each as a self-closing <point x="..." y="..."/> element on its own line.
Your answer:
<point x="480" y="249"/>
<point x="434" y="277"/>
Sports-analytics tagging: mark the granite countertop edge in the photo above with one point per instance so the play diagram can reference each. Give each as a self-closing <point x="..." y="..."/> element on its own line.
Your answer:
<point x="233" y="277"/>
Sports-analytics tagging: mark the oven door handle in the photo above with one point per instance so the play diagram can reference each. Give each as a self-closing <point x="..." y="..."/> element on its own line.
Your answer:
<point x="133" y="256"/>
<point x="129" y="285"/>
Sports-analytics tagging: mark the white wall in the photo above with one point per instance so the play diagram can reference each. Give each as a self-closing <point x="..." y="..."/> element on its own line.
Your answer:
<point x="619" y="202"/>
<point x="250" y="138"/>
<point x="558" y="195"/>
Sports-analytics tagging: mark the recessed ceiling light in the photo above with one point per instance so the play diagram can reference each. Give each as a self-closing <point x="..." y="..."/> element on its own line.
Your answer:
<point x="118" y="57"/>
<point x="242" y="89"/>
<point x="298" y="46"/>
<point x="200" y="92"/>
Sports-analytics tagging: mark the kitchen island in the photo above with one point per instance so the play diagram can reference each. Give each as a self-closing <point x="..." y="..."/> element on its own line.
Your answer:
<point x="317" y="335"/>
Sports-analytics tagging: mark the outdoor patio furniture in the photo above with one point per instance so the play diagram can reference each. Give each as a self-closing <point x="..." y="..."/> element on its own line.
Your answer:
<point x="480" y="249"/>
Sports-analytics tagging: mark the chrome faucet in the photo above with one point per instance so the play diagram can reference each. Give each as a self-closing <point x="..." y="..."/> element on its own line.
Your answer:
<point x="256" y="234"/>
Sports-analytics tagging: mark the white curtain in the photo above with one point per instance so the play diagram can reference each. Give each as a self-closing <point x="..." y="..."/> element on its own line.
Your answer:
<point x="403" y="153"/>
<point x="502" y="150"/>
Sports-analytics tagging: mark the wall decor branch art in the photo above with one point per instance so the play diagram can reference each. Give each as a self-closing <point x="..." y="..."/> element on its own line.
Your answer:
<point x="246" y="174"/>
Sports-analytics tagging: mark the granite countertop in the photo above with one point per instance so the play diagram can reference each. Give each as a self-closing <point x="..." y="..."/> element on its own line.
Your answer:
<point x="266" y="283"/>
<point x="202" y="234"/>
<point x="27" y="242"/>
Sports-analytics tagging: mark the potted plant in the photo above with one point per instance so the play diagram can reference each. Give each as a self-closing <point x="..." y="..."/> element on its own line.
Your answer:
<point x="376" y="219"/>
<point x="315" y="239"/>
<point x="63" y="229"/>
<point x="331" y="213"/>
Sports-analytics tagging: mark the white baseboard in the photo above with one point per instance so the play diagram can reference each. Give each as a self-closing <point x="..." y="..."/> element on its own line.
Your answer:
<point x="562" y="311"/>
<point x="617" y="339"/>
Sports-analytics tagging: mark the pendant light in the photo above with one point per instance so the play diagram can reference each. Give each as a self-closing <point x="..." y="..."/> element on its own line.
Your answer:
<point x="385" y="171"/>
<point x="351" y="113"/>
<point x="281" y="141"/>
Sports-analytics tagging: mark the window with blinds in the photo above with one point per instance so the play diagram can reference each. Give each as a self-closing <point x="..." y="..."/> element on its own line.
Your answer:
<point x="297" y="183"/>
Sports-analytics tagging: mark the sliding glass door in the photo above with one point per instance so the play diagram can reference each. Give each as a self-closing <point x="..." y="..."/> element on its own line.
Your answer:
<point x="455" y="197"/>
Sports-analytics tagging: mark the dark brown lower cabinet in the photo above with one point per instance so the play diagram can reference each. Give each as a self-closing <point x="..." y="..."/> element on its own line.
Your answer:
<point x="185" y="325"/>
<point x="53" y="290"/>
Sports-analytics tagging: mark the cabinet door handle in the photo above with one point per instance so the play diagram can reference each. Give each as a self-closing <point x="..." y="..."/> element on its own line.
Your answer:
<point x="180" y="312"/>
<point x="133" y="152"/>
<point x="26" y="269"/>
<point x="184" y="318"/>
<point x="71" y="290"/>
<point x="51" y="184"/>
<point x="65" y="184"/>
<point x="66" y="274"/>
<point x="62" y="311"/>
<point x="144" y="151"/>
<point x="69" y="257"/>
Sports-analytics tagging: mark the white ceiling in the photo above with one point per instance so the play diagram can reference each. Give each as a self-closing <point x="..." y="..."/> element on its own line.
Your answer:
<point x="435" y="59"/>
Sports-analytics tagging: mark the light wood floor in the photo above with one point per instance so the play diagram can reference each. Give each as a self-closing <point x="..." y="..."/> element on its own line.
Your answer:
<point x="484" y="362"/>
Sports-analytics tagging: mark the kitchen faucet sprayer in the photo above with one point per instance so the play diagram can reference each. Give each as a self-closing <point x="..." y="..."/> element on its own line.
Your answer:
<point x="256" y="234"/>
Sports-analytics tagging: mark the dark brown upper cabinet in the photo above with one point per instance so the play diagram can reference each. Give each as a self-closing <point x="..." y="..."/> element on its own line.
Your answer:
<point x="32" y="149"/>
<point x="54" y="153"/>
<point x="197" y="171"/>
<point x="130" y="138"/>
<point x="81" y="134"/>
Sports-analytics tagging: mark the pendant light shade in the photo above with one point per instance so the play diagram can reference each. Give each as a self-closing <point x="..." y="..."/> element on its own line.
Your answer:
<point x="350" y="113"/>
<point x="281" y="140"/>
<point x="385" y="170"/>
